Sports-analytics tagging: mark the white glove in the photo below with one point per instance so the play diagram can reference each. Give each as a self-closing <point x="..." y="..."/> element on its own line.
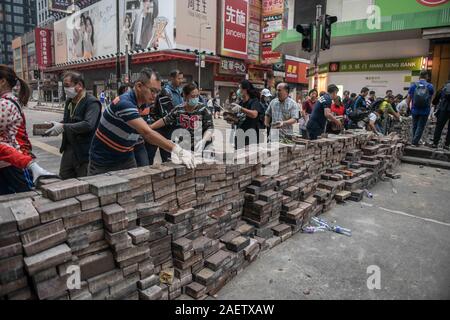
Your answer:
<point x="236" y="108"/>
<point x="179" y="155"/>
<point x="38" y="171"/>
<point x="56" y="130"/>
<point x="199" y="146"/>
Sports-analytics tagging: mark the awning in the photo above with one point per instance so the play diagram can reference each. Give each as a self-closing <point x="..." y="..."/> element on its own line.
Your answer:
<point x="396" y="27"/>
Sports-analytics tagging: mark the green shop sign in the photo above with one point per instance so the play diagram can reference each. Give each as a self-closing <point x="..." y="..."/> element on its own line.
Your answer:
<point x="409" y="64"/>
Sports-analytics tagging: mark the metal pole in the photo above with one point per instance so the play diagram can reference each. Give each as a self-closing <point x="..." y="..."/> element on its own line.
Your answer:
<point x="127" y="67"/>
<point x="317" y="47"/>
<point x="199" y="59"/>
<point x="39" y="88"/>
<point x="118" y="74"/>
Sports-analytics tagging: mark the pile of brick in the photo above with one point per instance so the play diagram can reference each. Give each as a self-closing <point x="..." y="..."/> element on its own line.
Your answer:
<point x="166" y="232"/>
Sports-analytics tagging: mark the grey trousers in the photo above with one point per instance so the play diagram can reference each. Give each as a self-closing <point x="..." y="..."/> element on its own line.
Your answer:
<point x="70" y="167"/>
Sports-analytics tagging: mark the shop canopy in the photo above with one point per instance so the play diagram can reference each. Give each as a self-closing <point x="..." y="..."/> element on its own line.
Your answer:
<point x="395" y="27"/>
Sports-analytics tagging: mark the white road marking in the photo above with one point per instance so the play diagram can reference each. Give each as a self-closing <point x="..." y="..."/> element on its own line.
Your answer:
<point x="45" y="147"/>
<point x="407" y="214"/>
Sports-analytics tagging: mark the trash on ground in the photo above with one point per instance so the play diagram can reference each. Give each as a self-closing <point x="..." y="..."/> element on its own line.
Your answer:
<point x="322" y="223"/>
<point x="368" y="194"/>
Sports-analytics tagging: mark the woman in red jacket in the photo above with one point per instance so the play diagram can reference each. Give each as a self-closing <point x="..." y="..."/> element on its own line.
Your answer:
<point x="338" y="107"/>
<point x="14" y="138"/>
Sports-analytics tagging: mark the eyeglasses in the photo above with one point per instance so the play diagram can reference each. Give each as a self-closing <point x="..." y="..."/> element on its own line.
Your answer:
<point x="152" y="90"/>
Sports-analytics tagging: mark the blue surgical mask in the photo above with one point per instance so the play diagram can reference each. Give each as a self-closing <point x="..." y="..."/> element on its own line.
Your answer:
<point x="193" y="102"/>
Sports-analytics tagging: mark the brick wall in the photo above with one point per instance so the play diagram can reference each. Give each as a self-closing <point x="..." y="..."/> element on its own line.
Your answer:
<point x="162" y="231"/>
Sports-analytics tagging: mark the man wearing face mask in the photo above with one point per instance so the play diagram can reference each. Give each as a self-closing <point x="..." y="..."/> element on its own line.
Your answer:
<point x="283" y="112"/>
<point x="121" y="127"/>
<point x="81" y="118"/>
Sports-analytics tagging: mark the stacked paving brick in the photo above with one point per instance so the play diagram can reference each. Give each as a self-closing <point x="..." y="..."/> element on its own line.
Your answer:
<point x="166" y="232"/>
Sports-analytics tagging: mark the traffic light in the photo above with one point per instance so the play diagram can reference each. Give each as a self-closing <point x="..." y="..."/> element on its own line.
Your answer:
<point x="306" y="30"/>
<point x="326" y="31"/>
<point x="36" y="74"/>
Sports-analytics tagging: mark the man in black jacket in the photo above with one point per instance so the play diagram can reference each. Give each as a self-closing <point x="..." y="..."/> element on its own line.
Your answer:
<point x="442" y="101"/>
<point x="81" y="118"/>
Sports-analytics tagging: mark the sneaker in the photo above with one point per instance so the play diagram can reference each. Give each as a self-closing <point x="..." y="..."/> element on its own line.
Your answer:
<point x="447" y="148"/>
<point x="434" y="146"/>
<point x="415" y="145"/>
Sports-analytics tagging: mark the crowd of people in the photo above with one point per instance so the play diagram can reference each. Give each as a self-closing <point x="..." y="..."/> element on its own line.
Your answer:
<point x="99" y="137"/>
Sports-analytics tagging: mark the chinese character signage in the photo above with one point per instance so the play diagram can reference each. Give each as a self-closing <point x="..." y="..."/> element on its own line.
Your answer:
<point x="296" y="72"/>
<point x="43" y="39"/>
<point x="272" y="24"/>
<point x="235" y="28"/>
<point x="196" y="22"/>
<point x="59" y="5"/>
<point x="254" y="31"/>
<point x="234" y="67"/>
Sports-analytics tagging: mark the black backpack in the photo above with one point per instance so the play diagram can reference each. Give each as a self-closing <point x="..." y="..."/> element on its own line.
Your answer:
<point x="421" y="96"/>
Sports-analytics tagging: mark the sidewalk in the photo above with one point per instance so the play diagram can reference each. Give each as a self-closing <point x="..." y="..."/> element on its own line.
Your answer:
<point x="46" y="106"/>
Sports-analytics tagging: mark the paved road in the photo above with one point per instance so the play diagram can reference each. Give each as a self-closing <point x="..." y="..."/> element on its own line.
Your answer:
<point x="404" y="230"/>
<point x="46" y="149"/>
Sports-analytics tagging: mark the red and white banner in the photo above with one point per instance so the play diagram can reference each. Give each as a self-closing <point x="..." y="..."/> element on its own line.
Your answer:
<point x="43" y="41"/>
<point x="235" y="28"/>
<point x="296" y="72"/>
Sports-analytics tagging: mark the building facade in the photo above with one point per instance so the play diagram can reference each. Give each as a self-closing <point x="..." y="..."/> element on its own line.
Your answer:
<point x="380" y="44"/>
<point x="16" y="18"/>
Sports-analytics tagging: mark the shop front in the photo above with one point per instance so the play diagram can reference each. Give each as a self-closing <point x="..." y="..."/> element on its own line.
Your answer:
<point x="377" y="75"/>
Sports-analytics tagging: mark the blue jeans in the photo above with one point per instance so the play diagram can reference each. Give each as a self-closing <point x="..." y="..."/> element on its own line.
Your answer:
<point x="141" y="156"/>
<point x="419" y="124"/>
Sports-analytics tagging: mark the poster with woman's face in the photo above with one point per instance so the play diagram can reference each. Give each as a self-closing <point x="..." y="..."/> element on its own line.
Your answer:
<point x="89" y="31"/>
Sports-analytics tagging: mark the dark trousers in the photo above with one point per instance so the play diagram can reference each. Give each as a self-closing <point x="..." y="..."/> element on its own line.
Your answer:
<point x="151" y="152"/>
<point x="70" y="166"/>
<point x="15" y="180"/>
<point x="151" y="149"/>
<point x="97" y="168"/>
<point x="141" y="155"/>
<point x="442" y="118"/>
<point x="314" y="132"/>
<point x="419" y="124"/>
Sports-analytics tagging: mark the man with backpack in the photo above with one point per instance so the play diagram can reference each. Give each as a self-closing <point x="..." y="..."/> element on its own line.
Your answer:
<point x="442" y="100"/>
<point x="419" y="97"/>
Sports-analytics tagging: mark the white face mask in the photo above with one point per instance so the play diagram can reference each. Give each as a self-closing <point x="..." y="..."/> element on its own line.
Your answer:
<point x="70" y="92"/>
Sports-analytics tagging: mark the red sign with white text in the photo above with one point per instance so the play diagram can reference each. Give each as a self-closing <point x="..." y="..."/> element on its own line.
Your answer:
<point x="296" y="72"/>
<point x="235" y="25"/>
<point x="43" y="42"/>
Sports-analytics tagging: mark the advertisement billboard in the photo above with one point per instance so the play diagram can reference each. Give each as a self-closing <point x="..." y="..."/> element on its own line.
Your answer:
<point x="59" y="5"/>
<point x="296" y="72"/>
<point x="272" y="24"/>
<point x="148" y="24"/>
<point x="87" y="33"/>
<point x="235" y="15"/>
<point x="254" y="31"/>
<point x="193" y="17"/>
<point x="91" y="32"/>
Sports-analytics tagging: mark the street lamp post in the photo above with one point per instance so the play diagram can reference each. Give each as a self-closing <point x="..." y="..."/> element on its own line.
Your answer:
<point x="118" y="73"/>
<point x="208" y="27"/>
